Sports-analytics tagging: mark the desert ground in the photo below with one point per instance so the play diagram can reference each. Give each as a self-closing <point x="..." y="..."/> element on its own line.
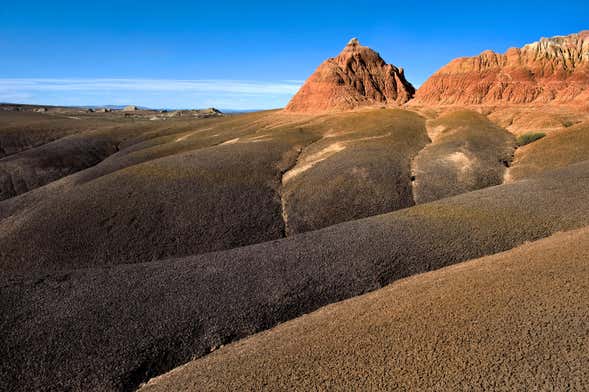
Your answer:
<point x="365" y="237"/>
<point x="460" y="327"/>
<point x="193" y="233"/>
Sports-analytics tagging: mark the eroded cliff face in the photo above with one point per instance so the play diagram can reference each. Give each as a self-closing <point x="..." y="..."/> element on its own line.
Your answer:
<point x="552" y="70"/>
<point x="357" y="77"/>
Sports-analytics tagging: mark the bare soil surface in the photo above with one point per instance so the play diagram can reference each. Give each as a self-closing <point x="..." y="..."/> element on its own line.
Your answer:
<point x="513" y="321"/>
<point x="111" y="328"/>
<point x="360" y="170"/>
<point x="99" y="207"/>
<point x="159" y="189"/>
<point x="557" y="149"/>
<point x="468" y="152"/>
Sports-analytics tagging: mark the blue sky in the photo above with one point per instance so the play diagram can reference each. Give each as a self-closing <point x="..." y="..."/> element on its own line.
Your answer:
<point x="241" y="55"/>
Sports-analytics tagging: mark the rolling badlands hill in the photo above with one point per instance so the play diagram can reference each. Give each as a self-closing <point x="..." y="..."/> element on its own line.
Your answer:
<point x="459" y="328"/>
<point x="182" y="188"/>
<point x="139" y="320"/>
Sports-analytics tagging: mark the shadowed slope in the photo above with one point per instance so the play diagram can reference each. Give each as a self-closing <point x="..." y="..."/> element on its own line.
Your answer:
<point x="514" y="320"/>
<point x="139" y="320"/>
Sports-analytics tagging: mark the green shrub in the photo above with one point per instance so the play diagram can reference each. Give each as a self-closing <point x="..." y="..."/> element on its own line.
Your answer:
<point x="529" y="137"/>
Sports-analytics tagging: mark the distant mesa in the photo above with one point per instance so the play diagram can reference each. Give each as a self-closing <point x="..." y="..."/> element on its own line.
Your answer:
<point x="552" y="70"/>
<point x="357" y="77"/>
<point x="200" y="113"/>
<point x="130" y="108"/>
<point x="210" y="111"/>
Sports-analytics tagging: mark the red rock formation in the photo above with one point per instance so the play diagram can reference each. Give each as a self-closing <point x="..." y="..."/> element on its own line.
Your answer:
<point x="551" y="70"/>
<point x="358" y="76"/>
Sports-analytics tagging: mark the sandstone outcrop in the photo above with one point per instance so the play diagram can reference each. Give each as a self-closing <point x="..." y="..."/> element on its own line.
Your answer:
<point x="357" y="77"/>
<point x="552" y="70"/>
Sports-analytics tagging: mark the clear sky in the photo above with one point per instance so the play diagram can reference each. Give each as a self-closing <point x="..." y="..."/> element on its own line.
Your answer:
<point x="241" y="54"/>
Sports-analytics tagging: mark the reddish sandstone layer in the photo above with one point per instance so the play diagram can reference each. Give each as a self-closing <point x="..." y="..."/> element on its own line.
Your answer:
<point x="552" y="70"/>
<point x="358" y="76"/>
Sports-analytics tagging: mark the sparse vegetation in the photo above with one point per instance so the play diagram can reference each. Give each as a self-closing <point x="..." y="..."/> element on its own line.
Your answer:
<point x="529" y="137"/>
<point x="559" y="150"/>
<point x="568" y="123"/>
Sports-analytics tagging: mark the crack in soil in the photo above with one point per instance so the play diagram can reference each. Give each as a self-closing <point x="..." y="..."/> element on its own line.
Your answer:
<point x="285" y="175"/>
<point x="412" y="172"/>
<point x="283" y="213"/>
